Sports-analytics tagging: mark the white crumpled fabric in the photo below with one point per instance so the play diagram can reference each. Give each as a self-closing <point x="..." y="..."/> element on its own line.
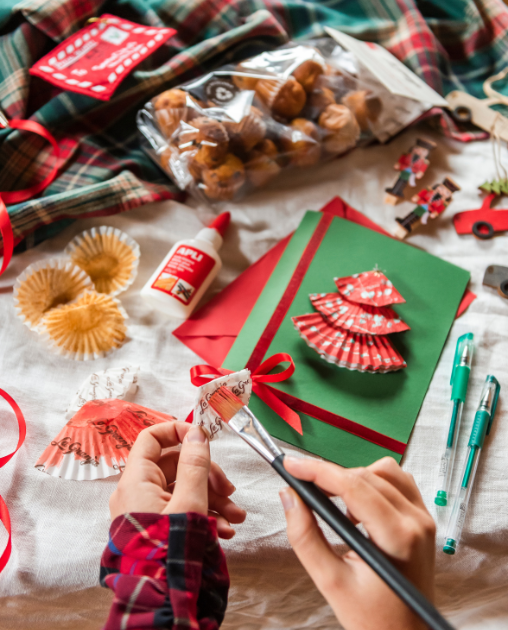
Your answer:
<point x="60" y="530"/>
<point x="240" y="383"/>
<point x="114" y="382"/>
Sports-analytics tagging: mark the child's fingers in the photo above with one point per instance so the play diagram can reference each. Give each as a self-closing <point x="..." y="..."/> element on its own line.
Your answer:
<point x="151" y="441"/>
<point x="219" y="482"/>
<point x="381" y="519"/>
<point x="326" y="569"/>
<point x="168" y="463"/>
<point x="224" y="506"/>
<point x="191" y="488"/>
<point x="390" y="492"/>
<point x="388" y="469"/>
<point x="224" y="529"/>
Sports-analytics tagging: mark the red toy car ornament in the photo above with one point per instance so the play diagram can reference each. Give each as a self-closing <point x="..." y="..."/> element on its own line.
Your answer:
<point x="483" y="223"/>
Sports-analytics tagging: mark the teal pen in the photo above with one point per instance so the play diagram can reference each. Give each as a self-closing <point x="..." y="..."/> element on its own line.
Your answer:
<point x="481" y="427"/>
<point x="459" y="382"/>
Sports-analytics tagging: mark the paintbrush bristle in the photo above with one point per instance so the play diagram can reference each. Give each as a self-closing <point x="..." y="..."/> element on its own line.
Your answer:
<point x="225" y="403"/>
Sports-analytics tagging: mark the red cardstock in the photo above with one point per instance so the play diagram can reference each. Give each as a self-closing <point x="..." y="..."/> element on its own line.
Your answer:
<point x="96" y="59"/>
<point x="212" y="330"/>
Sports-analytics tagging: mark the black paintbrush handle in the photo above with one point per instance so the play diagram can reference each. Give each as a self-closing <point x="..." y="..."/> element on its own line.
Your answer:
<point x="372" y="555"/>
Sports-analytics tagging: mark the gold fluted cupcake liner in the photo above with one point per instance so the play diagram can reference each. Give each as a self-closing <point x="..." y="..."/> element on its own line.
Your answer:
<point x="109" y="256"/>
<point x="46" y="285"/>
<point x="89" y="328"/>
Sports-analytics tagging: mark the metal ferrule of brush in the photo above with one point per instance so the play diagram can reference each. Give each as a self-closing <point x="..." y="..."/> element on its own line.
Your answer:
<point x="252" y="431"/>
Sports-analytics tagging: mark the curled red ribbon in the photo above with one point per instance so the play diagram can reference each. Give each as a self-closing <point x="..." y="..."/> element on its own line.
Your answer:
<point x="17" y="196"/>
<point x="4" y="512"/>
<point x="201" y="374"/>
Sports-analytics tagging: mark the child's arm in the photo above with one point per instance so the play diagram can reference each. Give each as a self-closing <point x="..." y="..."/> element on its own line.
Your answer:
<point x="163" y="560"/>
<point x="388" y="503"/>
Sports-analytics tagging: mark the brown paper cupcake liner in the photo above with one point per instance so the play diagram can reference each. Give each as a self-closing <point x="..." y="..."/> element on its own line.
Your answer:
<point x="248" y="132"/>
<point x="89" y="328"/>
<point x="46" y="285"/>
<point x="109" y="256"/>
<point x="219" y="192"/>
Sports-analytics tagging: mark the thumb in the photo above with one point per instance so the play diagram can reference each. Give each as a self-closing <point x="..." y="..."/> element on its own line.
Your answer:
<point x="191" y="488"/>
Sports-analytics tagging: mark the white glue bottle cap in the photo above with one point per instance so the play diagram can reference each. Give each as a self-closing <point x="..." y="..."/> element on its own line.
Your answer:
<point x="214" y="233"/>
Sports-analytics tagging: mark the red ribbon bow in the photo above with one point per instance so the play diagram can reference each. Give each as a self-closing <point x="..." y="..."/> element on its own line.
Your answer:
<point x="201" y="374"/>
<point x="17" y="196"/>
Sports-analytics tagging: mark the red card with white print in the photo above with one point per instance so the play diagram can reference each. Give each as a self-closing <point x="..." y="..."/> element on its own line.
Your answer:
<point x="96" y="59"/>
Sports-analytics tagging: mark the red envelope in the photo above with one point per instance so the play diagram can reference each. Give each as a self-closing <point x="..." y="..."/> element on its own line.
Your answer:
<point x="211" y="331"/>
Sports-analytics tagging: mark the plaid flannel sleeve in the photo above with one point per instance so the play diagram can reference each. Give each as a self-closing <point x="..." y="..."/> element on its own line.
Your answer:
<point x="166" y="571"/>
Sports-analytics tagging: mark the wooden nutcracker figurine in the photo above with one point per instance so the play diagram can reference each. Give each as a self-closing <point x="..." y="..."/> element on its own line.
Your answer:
<point x="432" y="201"/>
<point x="411" y="166"/>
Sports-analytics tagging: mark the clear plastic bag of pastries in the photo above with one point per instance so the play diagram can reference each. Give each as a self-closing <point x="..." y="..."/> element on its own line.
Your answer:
<point x="235" y="129"/>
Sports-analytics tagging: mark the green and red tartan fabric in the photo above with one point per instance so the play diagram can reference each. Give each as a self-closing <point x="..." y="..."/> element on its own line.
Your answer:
<point x="166" y="571"/>
<point x="451" y="45"/>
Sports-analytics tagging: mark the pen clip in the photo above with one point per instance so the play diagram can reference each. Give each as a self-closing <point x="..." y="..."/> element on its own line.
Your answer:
<point x="493" y="379"/>
<point x="461" y="341"/>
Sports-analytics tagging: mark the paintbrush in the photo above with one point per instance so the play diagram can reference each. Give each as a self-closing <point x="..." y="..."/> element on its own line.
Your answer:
<point x="240" y="419"/>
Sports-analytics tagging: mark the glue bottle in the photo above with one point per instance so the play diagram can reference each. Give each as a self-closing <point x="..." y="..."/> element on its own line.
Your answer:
<point x="186" y="272"/>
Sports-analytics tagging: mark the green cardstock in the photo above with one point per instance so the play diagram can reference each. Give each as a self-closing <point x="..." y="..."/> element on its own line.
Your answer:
<point x="388" y="403"/>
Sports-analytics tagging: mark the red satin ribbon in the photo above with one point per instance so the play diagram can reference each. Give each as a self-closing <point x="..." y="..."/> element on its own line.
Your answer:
<point x="4" y="512"/>
<point x="201" y="374"/>
<point x="17" y="196"/>
<point x="290" y="292"/>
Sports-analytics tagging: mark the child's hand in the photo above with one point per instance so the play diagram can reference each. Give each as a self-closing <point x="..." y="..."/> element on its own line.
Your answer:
<point x="388" y="503"/>
<point x="201" y="485"/>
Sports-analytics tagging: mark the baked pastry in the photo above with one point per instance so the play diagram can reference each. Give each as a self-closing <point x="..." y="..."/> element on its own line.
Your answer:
<point x="336" y="117"/>
<point x="108" y="256"/>
<point x="212" y="139"/>
<point x="244" y="135"/>
<point x="88" y="328"/>
<point x="260" y="169"/>
<point x="320" y="98"/>
<point x="307" y="73"/>
<point x="185" y="137"/>
<point x="171" y="108"/>
<point x="246" y="80"/>
<point x="197" y="163"/>
<point x="223" y="182"/>
<point x="301" y="142"/>
<point x="45" y="285"/>
<point x="284" y="97"/>
<point x="267" y="147"/>
<point x="170" y="99"/>
<point x="341" y="130"/>
<point x="364" y="105"/>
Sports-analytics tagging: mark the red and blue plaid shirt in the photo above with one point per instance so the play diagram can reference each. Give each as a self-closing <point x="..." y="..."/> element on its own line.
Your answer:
<point x="166" y="571"/>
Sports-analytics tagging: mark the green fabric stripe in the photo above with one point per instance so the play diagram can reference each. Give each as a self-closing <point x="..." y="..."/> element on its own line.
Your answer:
<point x="210" y="33"/>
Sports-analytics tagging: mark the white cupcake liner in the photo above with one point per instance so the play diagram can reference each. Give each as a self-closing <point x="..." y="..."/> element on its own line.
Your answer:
<point x="63" y="264"/>
<point x="80" y="242"/>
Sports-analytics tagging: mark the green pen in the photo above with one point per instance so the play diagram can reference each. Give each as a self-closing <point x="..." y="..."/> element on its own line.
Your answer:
<point x="481" y="427"/>
<point x="459" y="381"/>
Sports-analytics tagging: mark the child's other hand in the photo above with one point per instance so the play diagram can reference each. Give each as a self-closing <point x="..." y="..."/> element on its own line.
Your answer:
<point x="388" y="503"/>
<point x="201" y="485"/>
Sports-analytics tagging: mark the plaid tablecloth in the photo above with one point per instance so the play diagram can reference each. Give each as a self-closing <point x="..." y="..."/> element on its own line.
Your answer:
<point x="452" y="45"/>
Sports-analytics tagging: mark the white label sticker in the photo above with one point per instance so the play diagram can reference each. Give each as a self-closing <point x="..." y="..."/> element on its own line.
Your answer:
<point x="393" y="74"/>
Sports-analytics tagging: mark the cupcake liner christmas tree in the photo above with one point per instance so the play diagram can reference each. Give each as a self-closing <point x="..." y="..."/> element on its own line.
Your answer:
<point x="350" y="327"/>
